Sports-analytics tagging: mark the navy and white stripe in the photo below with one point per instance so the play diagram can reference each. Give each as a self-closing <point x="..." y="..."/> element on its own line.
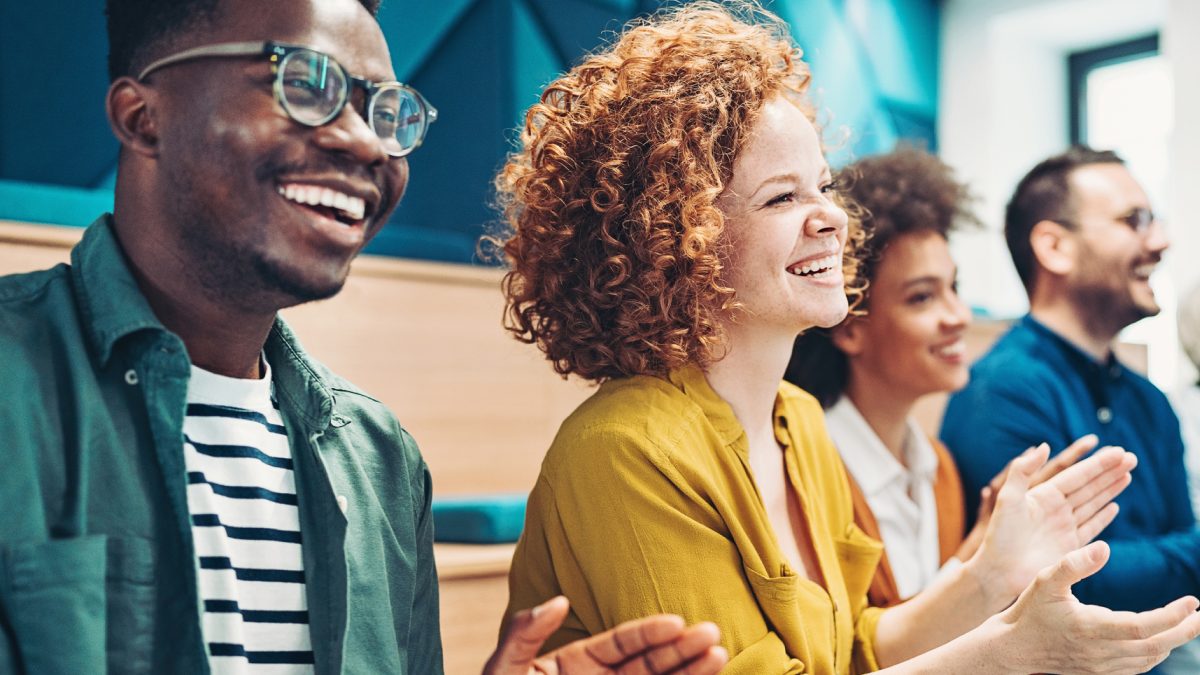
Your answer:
<point x="246" y="527"/>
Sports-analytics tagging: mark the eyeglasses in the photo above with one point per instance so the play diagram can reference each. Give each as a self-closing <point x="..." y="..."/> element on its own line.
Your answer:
<point x="1139" y="220"/>
<point x="313" y="88"/>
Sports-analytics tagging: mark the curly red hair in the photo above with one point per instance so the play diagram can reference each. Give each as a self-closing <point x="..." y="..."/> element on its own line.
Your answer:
<point x="615" y="243"/>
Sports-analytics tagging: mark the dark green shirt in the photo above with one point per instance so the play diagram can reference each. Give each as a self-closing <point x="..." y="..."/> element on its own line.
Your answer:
<point x="96" y="559"/>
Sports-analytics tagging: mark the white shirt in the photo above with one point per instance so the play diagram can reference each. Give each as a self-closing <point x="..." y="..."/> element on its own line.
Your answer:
<point x="901" y="498"/>
<point x="246" y="527"/>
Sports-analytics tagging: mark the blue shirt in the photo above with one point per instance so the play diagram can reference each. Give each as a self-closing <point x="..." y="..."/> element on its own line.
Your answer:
<point x="1034" y="386"/>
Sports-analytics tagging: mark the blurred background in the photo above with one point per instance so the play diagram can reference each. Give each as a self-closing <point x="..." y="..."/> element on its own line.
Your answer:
<point x="991" y="85"/>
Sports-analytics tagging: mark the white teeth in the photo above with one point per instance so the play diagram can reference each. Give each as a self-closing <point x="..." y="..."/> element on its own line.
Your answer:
<point x="353" y="208"/>
<point x="827" y="263"/>
<point x="953" y="349"/>
<point x="1144" y="271"/>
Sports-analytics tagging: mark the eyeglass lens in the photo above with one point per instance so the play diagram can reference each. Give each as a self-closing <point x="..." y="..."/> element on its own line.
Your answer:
<point x="314" y="88"/>
<point x="1139" y="220"/>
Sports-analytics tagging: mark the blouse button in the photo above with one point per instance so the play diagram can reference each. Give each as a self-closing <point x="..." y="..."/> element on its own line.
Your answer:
<point x="131" y="377"/>
<point x="1104" y="415"/>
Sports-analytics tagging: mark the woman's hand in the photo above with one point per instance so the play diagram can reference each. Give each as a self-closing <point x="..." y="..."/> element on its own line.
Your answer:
<point x="987" y="496"/>
<point x="656" y="644"/>
<point x="1034" y="527"/>
<point x="1048" y="630"/>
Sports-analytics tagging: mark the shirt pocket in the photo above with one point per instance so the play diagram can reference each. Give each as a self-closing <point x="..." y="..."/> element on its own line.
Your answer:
<point x="80" y="605"/>
<point x="858" y="556"/>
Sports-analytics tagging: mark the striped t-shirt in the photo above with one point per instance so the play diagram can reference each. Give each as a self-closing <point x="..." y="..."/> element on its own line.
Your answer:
<point x="246" y="526"/>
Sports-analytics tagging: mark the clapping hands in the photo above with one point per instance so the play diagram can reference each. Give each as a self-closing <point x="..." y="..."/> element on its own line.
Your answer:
<point x="657" y="644"/>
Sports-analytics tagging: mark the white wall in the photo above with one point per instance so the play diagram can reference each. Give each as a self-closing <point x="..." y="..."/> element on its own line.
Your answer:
<point x="1181" y="45"/>
<point x="1003" y="108"/>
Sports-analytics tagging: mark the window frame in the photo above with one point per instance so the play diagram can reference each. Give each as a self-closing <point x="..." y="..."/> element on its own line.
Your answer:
<point x="1080" y="64"/>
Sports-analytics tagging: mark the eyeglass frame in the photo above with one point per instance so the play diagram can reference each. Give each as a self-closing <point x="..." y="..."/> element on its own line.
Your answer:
<point x="275" y="52"/>
<point x="1139" y="220"/>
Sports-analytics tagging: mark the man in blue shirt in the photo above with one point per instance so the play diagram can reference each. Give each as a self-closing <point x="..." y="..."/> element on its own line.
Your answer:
<point x="1084" y="242"/>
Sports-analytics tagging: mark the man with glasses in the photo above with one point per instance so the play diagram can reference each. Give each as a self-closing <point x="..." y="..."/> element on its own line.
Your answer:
<point x="185" y="489"/>
<point x="1085" y="242"/>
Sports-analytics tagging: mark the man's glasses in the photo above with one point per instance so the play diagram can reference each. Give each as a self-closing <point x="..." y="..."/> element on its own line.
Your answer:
<point x="1139" y="220"/>
<point x="313" y="89"/>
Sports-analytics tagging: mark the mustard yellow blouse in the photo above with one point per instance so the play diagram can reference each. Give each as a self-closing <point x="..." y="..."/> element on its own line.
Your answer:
<point x="646" y="504"/>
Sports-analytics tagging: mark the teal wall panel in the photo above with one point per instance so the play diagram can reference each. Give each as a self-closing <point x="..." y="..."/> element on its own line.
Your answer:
<point x="481" y="63"/>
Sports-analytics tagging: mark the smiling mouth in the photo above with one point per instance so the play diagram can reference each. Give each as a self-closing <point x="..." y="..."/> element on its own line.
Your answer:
<point x="954" y="350"/>
<point x="816" y="267"/>
<point x="333" y="204"/>
<point x="1142" y="272"/>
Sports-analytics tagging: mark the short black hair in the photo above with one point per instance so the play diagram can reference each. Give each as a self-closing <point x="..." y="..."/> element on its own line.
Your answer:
<point x="902" y="192"/>
<point x="137" y="27"/>
<point x="1045" y="194"/>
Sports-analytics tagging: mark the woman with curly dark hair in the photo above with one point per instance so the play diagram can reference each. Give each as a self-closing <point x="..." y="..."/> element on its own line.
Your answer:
<point x="906" y="341"/>
<point x="674" y="227"/>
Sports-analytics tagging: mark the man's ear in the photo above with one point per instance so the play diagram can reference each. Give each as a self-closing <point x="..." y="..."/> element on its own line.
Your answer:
<point x="1053" y="247"/>
<point x="132" y="116"/>
<point x="850" y="336"/>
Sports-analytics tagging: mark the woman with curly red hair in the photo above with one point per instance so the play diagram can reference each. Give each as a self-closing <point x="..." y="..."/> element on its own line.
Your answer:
<point x="674" y="227"/>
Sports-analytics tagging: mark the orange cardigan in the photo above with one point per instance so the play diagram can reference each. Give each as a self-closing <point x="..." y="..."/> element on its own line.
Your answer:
<point x="947" y="493"/>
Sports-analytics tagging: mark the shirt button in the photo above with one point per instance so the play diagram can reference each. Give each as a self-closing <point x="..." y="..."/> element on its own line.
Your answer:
<point x="343" y="503"/>
<point x="1104" y="415"/>
<point x="131" y="377"/>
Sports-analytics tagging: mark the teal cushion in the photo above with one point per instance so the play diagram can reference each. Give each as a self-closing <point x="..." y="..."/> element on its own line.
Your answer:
<point x="53" y="204"/>
<point x="484" y="519"/>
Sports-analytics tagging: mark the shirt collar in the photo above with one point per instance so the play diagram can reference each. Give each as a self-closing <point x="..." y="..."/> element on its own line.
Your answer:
<point x="113" y="308"/>
<point x="300" y="380"/>
<point x="1099" y="377"/>
<point x="112" y="305"/>
<point x="873" y="466"/>
<point x="1109" y="369"/>
<point x="692" y="382"/>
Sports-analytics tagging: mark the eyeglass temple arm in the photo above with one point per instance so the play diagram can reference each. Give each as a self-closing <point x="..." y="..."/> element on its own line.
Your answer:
<point x="223" y="49"/>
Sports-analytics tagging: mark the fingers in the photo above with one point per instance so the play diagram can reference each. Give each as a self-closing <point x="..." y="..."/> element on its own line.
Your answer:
<point x="694" y="651"/>
<point x="1092" y="527"/>
<point x="634" y="638"/>
<point x="526" y="634"/>
<point x="1101" y="499"/>
<point x="1141" y="625"/>
<point x="1071" y="454"/>
<point x="1078" y="476"/>
<point x="1097" y="492"/>
<point x="1135" y="643"/>
<point x="1074" y="567"/>
<point x="709" y="663"/>
<point x="998" y="480"/>
<point x="987" y="503"/>
<point x="1021" y="471"/>
<point x="1184" y="631"/>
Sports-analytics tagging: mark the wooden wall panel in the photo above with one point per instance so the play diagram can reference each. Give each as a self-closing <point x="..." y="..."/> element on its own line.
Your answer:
<point x="424" y="338"/>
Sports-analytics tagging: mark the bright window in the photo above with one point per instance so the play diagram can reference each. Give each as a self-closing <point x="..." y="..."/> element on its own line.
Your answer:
<point x="1122" y="101"/>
